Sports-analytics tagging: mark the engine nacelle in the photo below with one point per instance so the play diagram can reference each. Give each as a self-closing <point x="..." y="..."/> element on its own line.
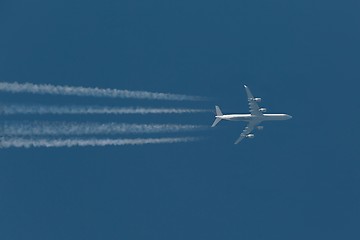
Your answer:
<point x="250" y="135"/>
<point x="263" y="110"/>
<point x="257" y="99"/>
<point x="260" y="127"/>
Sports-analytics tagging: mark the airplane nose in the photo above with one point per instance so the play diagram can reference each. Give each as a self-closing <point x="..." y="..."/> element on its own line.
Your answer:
<point x="290" y="117"/>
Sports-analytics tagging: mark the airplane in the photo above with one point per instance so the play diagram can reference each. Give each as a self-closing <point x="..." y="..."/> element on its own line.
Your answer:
<point x="254" y="118"/>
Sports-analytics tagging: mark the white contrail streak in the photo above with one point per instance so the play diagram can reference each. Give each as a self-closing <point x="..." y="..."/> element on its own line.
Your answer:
<point x="91" y="92"/>
<point x="87" y="128"/>
<point x="42" y="109"/>
<point x="49" y="142"/>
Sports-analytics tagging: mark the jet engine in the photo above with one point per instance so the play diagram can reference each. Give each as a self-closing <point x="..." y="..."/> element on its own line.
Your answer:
<point x="263" y="110"/>
<point x="260" y="127"/>
<point x="257" y="99"/>
<point x="250" y="135"/>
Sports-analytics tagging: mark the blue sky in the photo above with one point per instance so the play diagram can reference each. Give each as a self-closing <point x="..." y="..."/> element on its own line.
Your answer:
<point x="296" y="180"/>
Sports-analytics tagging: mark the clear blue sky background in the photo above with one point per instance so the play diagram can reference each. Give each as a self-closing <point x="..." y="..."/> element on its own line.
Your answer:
<point x="296" y="180"/>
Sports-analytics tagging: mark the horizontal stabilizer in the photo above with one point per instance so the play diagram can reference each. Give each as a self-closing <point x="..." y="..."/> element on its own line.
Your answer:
<point x="217" y="120"/>
<point x="218" y="111"/>
<point x="218" y="114"/>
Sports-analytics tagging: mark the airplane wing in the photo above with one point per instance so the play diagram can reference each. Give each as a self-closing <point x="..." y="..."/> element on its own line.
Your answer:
<point x="248" y="129"/>
<point x="254" y="107"/>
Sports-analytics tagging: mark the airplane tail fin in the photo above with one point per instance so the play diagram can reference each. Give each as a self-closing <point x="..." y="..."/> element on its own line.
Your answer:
<point x="217" y="120"/>
<point x="218" y="114"/>
<point x="218" y="111"/>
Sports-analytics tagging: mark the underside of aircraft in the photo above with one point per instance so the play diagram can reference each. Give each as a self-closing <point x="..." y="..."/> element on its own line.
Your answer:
<point x="256" y="116"/>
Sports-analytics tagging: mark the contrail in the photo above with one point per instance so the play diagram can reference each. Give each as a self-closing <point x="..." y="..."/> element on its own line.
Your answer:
<point x="91" y="92"/>
<point x="43" y="109"/>
<point x="87" y="128"/>
<point x="79" y="142"/>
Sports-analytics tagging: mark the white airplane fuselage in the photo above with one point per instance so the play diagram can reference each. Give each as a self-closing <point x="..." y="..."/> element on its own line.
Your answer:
<point x="249" y="117"/>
